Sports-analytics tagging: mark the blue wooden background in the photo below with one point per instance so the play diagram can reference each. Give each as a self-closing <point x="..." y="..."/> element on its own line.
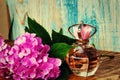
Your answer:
<point x="56" y="14"/>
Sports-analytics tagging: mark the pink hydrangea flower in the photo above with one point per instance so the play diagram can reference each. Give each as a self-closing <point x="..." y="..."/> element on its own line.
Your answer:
<point x="29" y="59"/>
<point x="4" y="49"/>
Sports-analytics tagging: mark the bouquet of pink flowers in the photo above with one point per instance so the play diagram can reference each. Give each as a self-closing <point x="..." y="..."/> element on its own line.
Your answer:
<point x="35" y="55"/>
<point x="27" y="59"/>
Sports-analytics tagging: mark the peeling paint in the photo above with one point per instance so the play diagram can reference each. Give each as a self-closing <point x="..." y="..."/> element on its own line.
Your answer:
<point x="56" y="14"/>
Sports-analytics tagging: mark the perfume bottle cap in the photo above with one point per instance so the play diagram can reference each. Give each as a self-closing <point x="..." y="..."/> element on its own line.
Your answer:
<point x="82" y="31"/>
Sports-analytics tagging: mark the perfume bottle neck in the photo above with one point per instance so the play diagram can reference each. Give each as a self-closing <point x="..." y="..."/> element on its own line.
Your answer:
<point x="82" y="42"/>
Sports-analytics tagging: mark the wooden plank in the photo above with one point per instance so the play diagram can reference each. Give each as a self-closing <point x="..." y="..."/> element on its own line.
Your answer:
<point x="56" y="14"/>
<point x="4" y="20"/>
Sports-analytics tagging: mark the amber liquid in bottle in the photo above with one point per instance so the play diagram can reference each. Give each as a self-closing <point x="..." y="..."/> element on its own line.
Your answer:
<point x="93" y="60"/>
<point x="83" y="60"/>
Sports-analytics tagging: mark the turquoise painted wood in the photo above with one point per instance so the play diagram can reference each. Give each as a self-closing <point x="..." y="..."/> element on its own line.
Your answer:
<point x="56" y="14"/>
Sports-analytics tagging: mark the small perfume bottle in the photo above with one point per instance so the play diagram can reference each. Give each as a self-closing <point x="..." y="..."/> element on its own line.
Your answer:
<point x="83" y="59"/>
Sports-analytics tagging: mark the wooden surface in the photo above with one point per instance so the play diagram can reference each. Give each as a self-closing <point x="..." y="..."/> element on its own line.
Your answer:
<point x="4" y="20"/>
<point x="56" y="14"/>
<point x="109" y="69"/>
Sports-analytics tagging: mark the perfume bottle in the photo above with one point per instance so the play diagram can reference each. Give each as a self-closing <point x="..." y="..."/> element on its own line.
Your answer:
<point x="83" y="59"/>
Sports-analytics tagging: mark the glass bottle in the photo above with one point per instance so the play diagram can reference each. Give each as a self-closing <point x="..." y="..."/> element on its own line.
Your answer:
<point x="83" y="59"/>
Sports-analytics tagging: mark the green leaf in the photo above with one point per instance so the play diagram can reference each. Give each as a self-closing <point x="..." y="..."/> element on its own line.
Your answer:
<point x="39" y="30"/>
<point x="93" y="44"/>
<point x="57" y="37"/>
<point x="65" y="71"/>
<point x="27" y="30"/>
<point x="61" y="31"/>
<point x="60" y="50"/>
<point x="10" y="35"/>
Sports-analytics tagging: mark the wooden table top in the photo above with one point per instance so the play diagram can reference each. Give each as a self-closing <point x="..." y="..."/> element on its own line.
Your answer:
<point x="109" y="69"/>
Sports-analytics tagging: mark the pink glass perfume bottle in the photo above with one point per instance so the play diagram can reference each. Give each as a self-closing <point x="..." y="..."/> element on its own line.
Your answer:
<point x="83" y="59"/>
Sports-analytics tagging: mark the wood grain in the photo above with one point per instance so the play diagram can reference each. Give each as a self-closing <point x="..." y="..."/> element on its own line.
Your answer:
<point x="56" y="14"/>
